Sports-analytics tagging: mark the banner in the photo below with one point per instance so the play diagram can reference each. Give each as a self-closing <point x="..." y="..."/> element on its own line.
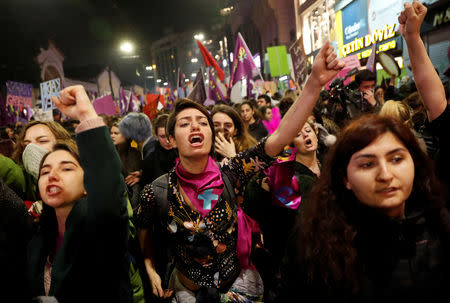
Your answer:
<point x="105" y="105"/>
<point x="299" y="60"/>
<point x="278" y="62"/>
<point x="351" y="62"/>
<point x="19" y="94"/>
<point x="49" y="89"/>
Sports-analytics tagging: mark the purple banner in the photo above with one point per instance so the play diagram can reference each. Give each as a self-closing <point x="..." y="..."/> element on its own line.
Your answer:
<point x="105" y="105"/>
<point x="19" y="94"/>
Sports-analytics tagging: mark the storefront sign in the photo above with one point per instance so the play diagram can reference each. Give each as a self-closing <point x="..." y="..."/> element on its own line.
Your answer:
<point x="441" y="17"/>
<point x="354" y="22"/>
<point x="383" y="34"/>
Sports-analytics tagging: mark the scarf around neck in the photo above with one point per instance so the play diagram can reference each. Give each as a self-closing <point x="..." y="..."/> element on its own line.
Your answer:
<point x="203" y="189"/>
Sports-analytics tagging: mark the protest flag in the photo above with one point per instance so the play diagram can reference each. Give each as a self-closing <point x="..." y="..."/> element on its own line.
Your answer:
<point x="214" y="90"/>
<point x="243" y="64"/>
<point x="210" y="61"/>
<point x="170" y="98"/>
<point x="198" y="93"/>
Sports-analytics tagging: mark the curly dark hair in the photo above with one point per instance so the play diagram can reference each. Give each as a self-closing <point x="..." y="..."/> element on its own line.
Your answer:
<point x="324" y="240"/>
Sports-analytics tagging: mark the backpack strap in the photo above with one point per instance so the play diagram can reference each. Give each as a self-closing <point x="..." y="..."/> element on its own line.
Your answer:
<point x="228" y="191"/>
<point x="160" y="189"/>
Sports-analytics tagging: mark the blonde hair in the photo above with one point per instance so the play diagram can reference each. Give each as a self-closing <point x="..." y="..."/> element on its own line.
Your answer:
<point x="397" y="110"/>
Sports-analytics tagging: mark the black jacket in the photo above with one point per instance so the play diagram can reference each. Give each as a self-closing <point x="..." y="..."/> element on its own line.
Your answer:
<point x="398" y="261"/>
<point x="158" y="162"/>
<point x="92" y="263"/>
<point x="258" y="130"/>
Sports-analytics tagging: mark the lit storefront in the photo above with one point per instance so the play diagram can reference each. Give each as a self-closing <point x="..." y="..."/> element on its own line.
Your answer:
<point x="316" y="24"/>
<point x="353" y="26"/>
<point x="362" y="23"/>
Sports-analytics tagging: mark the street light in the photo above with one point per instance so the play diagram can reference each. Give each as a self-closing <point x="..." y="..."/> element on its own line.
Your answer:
<point x="199" y="36"/>
<point x="126" y="47"/>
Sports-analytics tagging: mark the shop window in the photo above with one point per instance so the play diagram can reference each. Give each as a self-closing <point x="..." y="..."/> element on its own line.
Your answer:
<point x="318" y="25"/>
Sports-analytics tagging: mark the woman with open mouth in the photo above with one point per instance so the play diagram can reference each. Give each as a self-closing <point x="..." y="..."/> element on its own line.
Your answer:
<point x="196" y="207"/>
<point x="79" y="252"/>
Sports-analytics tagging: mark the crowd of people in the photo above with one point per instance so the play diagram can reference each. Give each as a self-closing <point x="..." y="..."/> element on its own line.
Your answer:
<point x="309" y="195"/>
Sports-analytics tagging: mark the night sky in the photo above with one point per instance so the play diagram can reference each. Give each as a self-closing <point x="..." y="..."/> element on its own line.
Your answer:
<point x="90" y="32"/>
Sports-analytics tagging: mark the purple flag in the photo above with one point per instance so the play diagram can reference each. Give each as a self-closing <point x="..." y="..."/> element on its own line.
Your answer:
<point x="198" y="93"/>
<point x="133" y="103"/>
<point x="214" y="90"/>
<point x="142" y="100"/>
<point x="243" y="65"/>
<point x="123" y="102"/>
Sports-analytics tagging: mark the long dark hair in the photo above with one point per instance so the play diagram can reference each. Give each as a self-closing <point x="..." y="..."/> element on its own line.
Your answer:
<point x="325" y="236"/>
<point x="242" y="139"/>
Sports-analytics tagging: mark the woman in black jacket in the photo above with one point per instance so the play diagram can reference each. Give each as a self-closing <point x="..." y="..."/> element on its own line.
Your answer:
<point x="79" y="253"/>
<point x="375" y="227"/>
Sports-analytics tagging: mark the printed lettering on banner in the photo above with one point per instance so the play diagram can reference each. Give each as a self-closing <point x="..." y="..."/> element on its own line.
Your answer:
<point x="49" y="89"/>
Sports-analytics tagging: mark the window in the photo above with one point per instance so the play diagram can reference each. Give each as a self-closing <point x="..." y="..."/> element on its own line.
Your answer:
<point x="318" y="25"/>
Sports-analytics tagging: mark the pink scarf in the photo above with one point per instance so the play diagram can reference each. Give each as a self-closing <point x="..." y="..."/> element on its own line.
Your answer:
<point x="204" y="190"/>
<point x="272" y="125"/>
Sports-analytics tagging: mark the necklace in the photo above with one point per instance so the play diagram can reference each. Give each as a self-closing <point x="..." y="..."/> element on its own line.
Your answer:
<point x="191" y="224"/>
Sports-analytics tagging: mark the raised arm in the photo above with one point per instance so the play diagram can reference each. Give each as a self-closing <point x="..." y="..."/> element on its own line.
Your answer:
<point x="325" y="67"/>
<point x="106" y="192"/>
<point x="427" y="80"/>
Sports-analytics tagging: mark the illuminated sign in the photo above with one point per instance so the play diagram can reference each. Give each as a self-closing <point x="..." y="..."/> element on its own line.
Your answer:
<point x="383" y="34"/>
<point x="442" y="17"/>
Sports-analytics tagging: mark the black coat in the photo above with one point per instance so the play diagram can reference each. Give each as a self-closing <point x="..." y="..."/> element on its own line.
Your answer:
<point x="397" y="260"/>
<point x="158" y="162"/>
<point x="15" y="232"/>
<point x="92" y="263"/>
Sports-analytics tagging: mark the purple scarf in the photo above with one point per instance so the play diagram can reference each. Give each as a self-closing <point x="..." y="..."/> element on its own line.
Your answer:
<point x="204" y="190"/>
